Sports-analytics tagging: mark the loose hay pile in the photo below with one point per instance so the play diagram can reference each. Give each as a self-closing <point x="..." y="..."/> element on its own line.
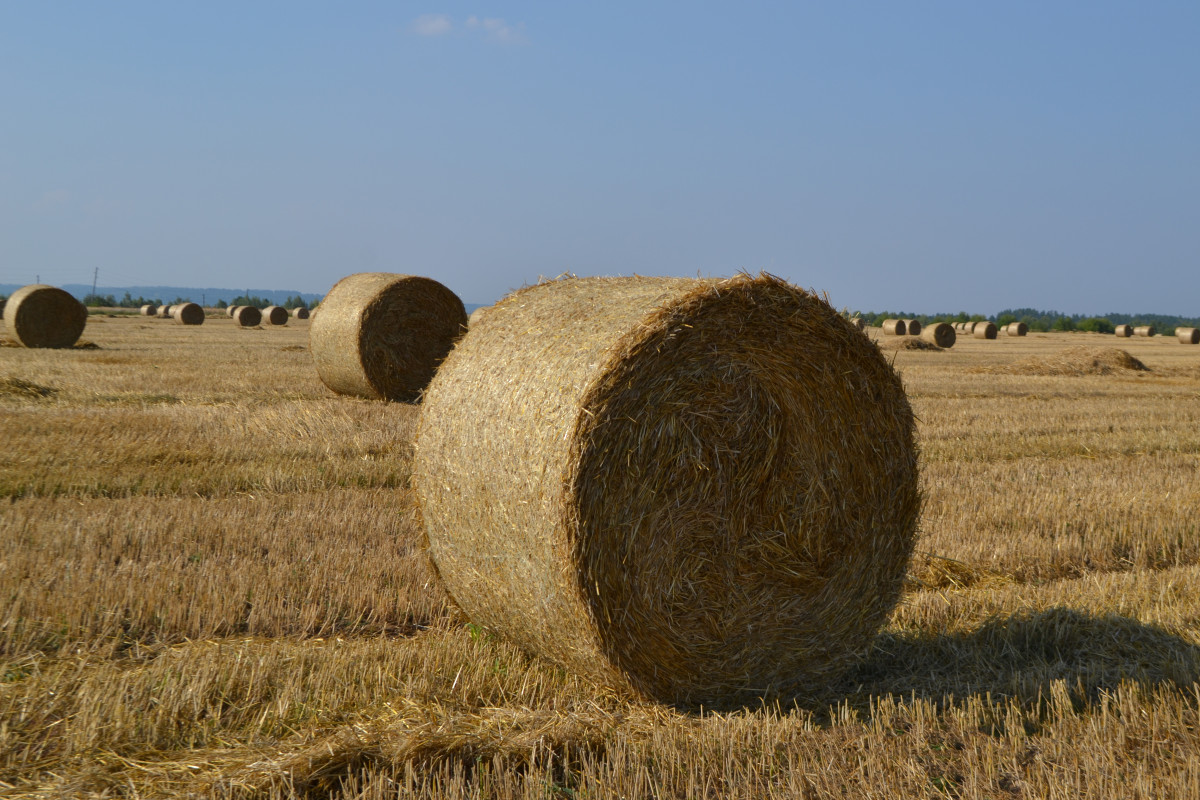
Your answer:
<point x="188" y="314"/>
<point x="275" y="315"/>
<point x="701" y="490"/>
<point x="44" y="316"/>
<point x="382" y="335"/>
<point x="1079" y="360"/>
<point x="908" y="343"/>
<point x="247" y="316"/>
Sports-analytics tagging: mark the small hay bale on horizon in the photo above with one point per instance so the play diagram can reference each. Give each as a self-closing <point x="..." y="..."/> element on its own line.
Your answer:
<point x="940" y="334"/>
<point x="912" y="327"/>
<point x="247" y="316"/>
<point x="189" y="314"/>
<point x="984" y="330"/>
<point x="275" y="315"/>
<point x="148" y="310"/>
<point x="895" y="327"/>
<point x="1016" y="329"/>
<point x="1144" y="330"/>
<point x="382" y="335"/>
<point x="300" y="312"/>
<point x="1188" y="335"/>
<point x="1124" y="331"/>
<point x="42" y="316"/>
<point x="609" y="478"/>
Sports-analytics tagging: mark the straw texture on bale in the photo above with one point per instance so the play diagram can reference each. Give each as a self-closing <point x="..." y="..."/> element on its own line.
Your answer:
<point x="1144" y="330"/>
<point x="172" y="309"/>
<point x="859" y="323"/>
<point x="913" y="327"/>
<point x="1016" y="329"/>
<point x="300" y="312"/>
<point x="189" y="314"/>
<point x="275" y="315"/>
<point x="703" y="491"/>
<point x="382" y="335"/>
<point x="895" y="327"/>
<point x="164" y="312"/>
<point x="148" y="310"/>
<point x="1124" y="331"/>
<point x="939" y="333"/>
<point x="984" y="330"/>
<point x="476" y="315"/>
<point x="44" y="316"/>
<point x="247" y="316"/>
<point x="1188" y="335"/>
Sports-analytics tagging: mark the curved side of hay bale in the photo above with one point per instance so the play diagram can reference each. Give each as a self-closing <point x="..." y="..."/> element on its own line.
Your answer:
<point x="229" y="311"/>
<point x="1124" y="331"/>
<point x="44" y="316"/>
<point x="189" y="314"/>
<point x="940" y="333"/>
<point x="1016" y="329"/>
<point x="1144" y="330"/>
<point x="984" y="330"/>
<point x="1188" y="335"/>
<point x="148" y="310"/>
<point x="913" y="327"/>
<point x="275" y="315"/>
<point x="609" y="479"/>
<point x="895" y="327"/>
<point x="247" y="316"/>
<point x="300" y="312"/>
<point x="382" y="335"/>
<point x="476" y="315"/>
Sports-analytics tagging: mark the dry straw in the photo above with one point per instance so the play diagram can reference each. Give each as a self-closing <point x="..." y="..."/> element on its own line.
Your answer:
<point x="1124" y="331"/>
<point x="275" y="315"/>
<point x="383" y="335"/>
<point x="188" y="314"/>
<point x="939" y="333"/>
<point x="859" y="323"/>
<point x="148" y="310"/>
<point x="701" y="490"/>
<point x="247" y="316"/>
<point x="895" y="327"/>
<point x="1016" y="329"/>
<point x="984" y="330"/>
<point x="229" y="311"/>
<point x="1144" y="330"/>
<point x="164" y="312"/>
<point x="476" y="315"/>
<point x="1188" y="335"/>
<point x="44" y="316"/>
<point x="300" y="312"/>
<point x="1080" y="360"/>
<point x="913" y="326"/>
<point x="171" y="310"/>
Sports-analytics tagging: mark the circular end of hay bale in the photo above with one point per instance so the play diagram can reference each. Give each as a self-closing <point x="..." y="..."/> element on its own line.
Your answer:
<point x="189" y="314"/>
<point x="300" y="312"/>
<point x="44" y="316"/>
<point x="382" y="335"/>
<point x="247" y="316"/>
<point x="611" y="478"/>
<point x="1188" y="335"/>
<point x="984" y="330"/>
<point x="895" y="327"/>
<point x="913" y="326"/>
<point x="1144" y="330"/>
<point x="940" y="333"/>
<point x="275" y="315"/>
<point x="148" y="310"/>
<point x="1124" y="331"/>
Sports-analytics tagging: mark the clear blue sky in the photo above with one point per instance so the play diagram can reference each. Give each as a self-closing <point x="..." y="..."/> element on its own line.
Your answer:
<point x="922" y="156"/>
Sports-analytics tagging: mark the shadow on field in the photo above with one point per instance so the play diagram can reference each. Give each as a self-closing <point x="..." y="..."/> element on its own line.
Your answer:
<point x="1022" y="655"/>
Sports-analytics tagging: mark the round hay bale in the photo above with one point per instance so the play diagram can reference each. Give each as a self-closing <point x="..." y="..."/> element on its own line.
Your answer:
<point x="44" y="316"/>
<point x="1144" y="330"/>
<point x="275" y="315"/>
<point x="1016" y="329"/>
<point x="3" y="302"/>
<point x="913" y="326"/>
<point x="164" y="312"/>
<point x="300" y="312"/>
<point x="895" y="327"/>
<point x="701" y="490"/>
<point x="476" y="315"/>
<point x="148" y="310"/>
<point x="984" y="330"/>
<point x="229" y="311"/>
<point x="188" y="314"/>
<point x="247" y="316"/>
<point x="1124" y="331"/>
<point x="1188" y="335"/>
<point x="940" y="333"/>
<point x="382" y="335"/>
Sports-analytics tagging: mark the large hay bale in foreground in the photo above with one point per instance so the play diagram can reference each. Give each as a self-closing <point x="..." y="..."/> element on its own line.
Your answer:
<point x="188" y="314"/>
<point x="895" y="327"/>
<point x="1124" y="331"/>
<point x="913" y="326"/>
<point x="300" y="312"/>
<point x="984" y="330"/>
<point x="476" y="315"/>
<point x="1188" y="335"/>
<point x="702" y="490"/>
<point x="275" y="315"/>
<point x="382" y="335"/>
<point x="44" y="316"/>
<point x="940" y="333"/>
<point x="148" y="310"/>
<point x="1144" y="330"/>
<point x="1016" y="329"/>
<point x="247" y="316"/>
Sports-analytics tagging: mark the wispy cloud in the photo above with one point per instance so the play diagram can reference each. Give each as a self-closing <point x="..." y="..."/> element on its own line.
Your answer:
<point x="499" y="30"/>
<point x="432" y="25"/>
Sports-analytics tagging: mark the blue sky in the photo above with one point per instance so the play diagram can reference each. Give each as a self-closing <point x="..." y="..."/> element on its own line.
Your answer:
<point x="921" y="156"/>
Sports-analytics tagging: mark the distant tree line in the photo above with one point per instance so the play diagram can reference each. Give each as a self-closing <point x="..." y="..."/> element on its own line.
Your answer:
<point x="1038" y="320"/>
<point x="109" y="301"/>
<point x="295" y="301"/>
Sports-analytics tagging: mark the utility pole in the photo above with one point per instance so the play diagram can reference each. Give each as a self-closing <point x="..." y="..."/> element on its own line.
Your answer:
<point x="95" y="275"/>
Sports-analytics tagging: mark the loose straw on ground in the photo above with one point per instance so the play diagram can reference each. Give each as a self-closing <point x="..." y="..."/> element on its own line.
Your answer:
<point x="704" y="491"/>
<point x="44" y="316"/>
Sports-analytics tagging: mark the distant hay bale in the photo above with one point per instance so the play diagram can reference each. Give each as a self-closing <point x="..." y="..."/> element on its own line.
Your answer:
<point x="939" y="333"/>
<point x="1016" y="329"/>
<point x="188" y="314"/>
<point x="1188" y="335"/>
<point x="247" y="316"/>
<point x="300" y="312"/>
<point x="1124" y="331"/>
<point x="229" y="311"/>
<point x="913" y="327"/>
<point x="148" y="310"/>
<point x="383" y="335"/>
<point x="1144" y="330"/>
<point x="984" y="330"/>
<point x="44" y="316"/>
<point x="275" y="315"/>
<point x="164" y="312"/>
<point x="611" y="477"/>
<point x="1080" y="360"/>
<point x="895" y="327"/>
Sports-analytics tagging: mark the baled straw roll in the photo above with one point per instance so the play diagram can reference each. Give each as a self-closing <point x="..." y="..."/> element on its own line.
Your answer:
<point x="275" y="315"/>
<point x="148" y="310"/>
<point x="44" y="316"/>
<point x="1188" y="335"/>
<point x="895" y="327"/>
<point x="1144" y="330"/>
<point x="913" y="327"/>
<point x="984" y="330"/>
<point x="229" y="311"/>
<point x="701" y="490"/>
<point x="940" y="333"/>
<point x="188" y="314"/>
<point x="382" y="335"/>
<point x="300" y="312"/>
<point x="1016" y="329"/>
<point x="247" y="316"/>
<point x="1124" y="331"/>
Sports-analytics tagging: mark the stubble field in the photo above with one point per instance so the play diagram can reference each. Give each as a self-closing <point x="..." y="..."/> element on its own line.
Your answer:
<point x="212" y="584"/>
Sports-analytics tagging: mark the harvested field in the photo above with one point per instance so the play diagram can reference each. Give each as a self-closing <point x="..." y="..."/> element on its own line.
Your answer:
<point x="212" y="583"/>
